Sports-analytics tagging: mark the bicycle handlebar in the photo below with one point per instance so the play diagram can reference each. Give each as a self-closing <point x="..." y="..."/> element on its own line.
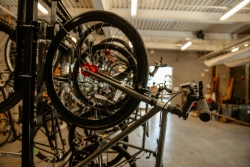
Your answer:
<point x="160" y="89"/>
<point x="157" y="65"/>
<point x="204" y="114"/>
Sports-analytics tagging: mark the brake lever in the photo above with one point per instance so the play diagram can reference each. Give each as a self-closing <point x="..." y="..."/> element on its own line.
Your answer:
<point x="191" y="98"/>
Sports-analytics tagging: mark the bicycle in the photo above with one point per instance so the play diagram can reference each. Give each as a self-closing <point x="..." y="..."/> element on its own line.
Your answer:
<point x="83" y="153"/>
<point x="50" y="144"/>
<point x="88" y="141"/>
<point x="97" y="55"/>
<point x="106" y="93"/>
<point x="157" y="94"/>
<point x="82" y="137"/>
<point x="194" y="94"/>
<point x="8" y="97"/>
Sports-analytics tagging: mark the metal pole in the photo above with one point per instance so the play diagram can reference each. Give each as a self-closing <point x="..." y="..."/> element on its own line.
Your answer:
<point x="247" y="83"/>
<point x="27" y="77"/>
<point x="162" y="137"/>
<point x="119" y="137"/>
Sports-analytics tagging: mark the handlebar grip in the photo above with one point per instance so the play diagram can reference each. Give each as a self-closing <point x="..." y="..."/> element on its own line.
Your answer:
<point x="174" y="110"/>
<point x="168" y="90"/>
<point x="204" y="112"/>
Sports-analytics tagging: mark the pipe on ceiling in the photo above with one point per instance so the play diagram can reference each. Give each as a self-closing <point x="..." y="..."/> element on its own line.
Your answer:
<point x="232" y="56"/>
<point x="226" y="47"/>
<point x="9" y="12"/>
<point x="239" y="62"/>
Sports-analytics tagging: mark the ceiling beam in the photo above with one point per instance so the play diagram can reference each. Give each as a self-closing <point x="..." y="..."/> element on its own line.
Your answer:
<point x="171" y="46"/>
<point x="186" y="16"/>
<point x="98" y="5"/>
<point x="192" y="35"/>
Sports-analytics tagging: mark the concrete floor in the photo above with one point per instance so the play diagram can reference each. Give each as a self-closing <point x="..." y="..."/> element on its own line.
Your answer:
<point x="189" y="143"/>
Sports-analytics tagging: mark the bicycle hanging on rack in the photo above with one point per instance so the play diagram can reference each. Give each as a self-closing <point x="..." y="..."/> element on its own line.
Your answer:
<point x="102" y="75"/>
<point x="110" y="59"/>
<point x="194" y="94"/>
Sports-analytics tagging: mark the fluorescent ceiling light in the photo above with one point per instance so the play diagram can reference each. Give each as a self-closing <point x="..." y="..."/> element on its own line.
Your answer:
<point x="186" y="45"/>
<point x="73" y="39"/>
<point x="235" y="49"/>
<point x="234" y="10"/>
<point x="246" y="45"/>
<point x="133" y="7"/>
<point x="42" y="9"/>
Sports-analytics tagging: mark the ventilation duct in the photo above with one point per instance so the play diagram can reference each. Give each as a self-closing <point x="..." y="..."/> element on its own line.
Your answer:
<point x="238" y="62"/>
<point x="232" y="56"/>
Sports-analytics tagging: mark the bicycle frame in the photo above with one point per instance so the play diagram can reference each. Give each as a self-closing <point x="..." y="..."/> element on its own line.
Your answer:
<point x="158" y="106"/>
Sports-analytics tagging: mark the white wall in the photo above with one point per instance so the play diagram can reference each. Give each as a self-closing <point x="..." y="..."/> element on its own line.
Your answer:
<point x="187" y="68"/>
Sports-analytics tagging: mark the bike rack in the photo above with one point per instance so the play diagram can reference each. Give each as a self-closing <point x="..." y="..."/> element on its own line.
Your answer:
<point x="25" y="72"/>
<point x="25" y="68"/>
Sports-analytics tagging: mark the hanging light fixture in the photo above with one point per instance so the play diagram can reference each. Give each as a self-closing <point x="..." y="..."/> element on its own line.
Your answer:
<point x="133" y="7"/>
<point x="186" y="45"/>
<point x="42" y="9"/>
<point x="235" y="49"/>
<point x="235" y="9"/>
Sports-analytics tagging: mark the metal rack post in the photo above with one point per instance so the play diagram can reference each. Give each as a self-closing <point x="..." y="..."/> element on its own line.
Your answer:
<point x="25" y="72"/>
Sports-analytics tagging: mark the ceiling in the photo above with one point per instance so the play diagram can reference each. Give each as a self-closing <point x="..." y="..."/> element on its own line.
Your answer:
<point x="168" y="24"/>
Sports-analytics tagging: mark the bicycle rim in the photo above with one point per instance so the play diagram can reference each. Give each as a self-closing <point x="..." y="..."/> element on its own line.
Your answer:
<point x="8" y="97"/>
<point x="107" y="57"/>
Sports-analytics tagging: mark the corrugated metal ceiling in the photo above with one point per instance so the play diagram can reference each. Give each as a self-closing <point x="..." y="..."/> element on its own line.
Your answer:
<point x="173" y="21"/>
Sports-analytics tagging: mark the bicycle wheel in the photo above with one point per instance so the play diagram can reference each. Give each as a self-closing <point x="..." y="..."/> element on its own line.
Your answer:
<point x="8" y="97"/>
<point x="105" y="158"/>
<point x="108" y="58"/>
<point x="97" y="28"/>
<point x="50" y="142"/>
<point x="103" y="99"/>
<point x="80" y="138"/>
<point x="7" y="46"/>
<point x="5" y="129"/>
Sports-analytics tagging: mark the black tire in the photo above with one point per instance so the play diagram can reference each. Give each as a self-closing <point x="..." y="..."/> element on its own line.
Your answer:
<point x="10" y="52"/>
<point x="80" y="155"/>
<point x="97" y="27"/>
<point x="140" y="77"/>
<point x="118" y="41"/>
<point x="8" y="97"/>
<point x="5" y="128"/>
<point x="77" y="134"/>
<point x="7" y="44"/>
<point x="122" y="152"/>
<point x="42" y="141"/>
